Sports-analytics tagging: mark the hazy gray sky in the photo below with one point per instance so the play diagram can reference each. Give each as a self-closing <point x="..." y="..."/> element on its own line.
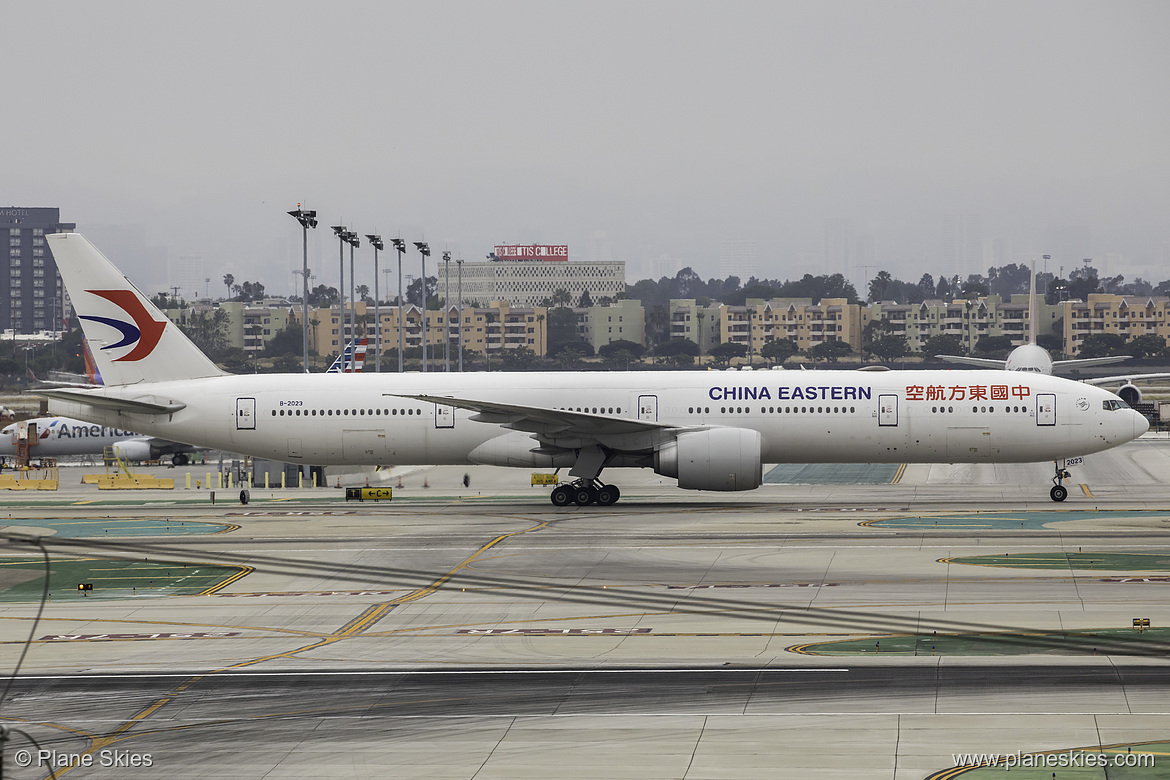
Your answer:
<point x="666" y="126"/>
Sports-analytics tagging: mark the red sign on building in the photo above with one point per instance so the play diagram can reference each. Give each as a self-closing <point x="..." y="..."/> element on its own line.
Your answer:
<point x="532" y="252"/>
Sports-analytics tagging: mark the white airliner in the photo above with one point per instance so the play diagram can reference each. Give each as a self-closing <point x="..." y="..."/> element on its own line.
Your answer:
<point x="710" y="430"/>
<point x="1034" y="358"/>
<point x="58" y="437"/>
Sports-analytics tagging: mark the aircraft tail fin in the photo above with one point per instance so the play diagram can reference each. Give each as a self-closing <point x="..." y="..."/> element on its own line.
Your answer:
<point x="351" y="360"/>
<point x="131" y="340"/>
<point x="92" y="374"/>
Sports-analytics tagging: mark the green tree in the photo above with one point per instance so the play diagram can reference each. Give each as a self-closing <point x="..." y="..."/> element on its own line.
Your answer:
<point x="830" y="351"/>
<point x="724" y="353"/>
<point x="676" y="347"/>
<point x="777" y="351"/>
<point x="993" y="344"/>
<point x="620" y="352"/>
<point x="518" y="358"/>
<point x="287" y="341"/>
<point x="944" y="344"/>
<point x="889" y="347"/>
<point x="1146" y="345"/>
<point x="228" y="281"/>
<point x="1102" y="345"/>
<point x="208" y="330"/>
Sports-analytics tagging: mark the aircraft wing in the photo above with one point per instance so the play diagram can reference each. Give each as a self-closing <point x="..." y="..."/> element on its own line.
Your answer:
<point x="565" y="429"/>
<point x="1098" y="361"/>
<point x="145" y="404"/>
<point x="973" y="361"/>
<point x="1123" y="378"/>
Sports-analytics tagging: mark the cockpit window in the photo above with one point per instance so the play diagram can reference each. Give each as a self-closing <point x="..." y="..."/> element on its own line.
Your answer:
<point x="1113" y="405"/>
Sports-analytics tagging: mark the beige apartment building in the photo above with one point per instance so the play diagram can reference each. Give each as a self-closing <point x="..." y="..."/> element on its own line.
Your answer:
<point x="1125" y="315"/>
<point x="797" y="319"/>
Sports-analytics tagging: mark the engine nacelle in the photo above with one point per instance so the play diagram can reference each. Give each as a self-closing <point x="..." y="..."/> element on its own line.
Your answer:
<point x="132" y="450"/>
<point x="717" y="459"/>
<point x="1130" y="393"/>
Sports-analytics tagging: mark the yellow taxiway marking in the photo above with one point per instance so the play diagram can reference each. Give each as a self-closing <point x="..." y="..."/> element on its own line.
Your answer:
<point x="348" y="631"/>
<point x="898" y="475"/>
<point x="1085" y="488"/>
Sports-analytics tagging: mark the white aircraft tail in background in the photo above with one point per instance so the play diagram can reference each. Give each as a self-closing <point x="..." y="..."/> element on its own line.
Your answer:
<point x="1032" y="357"/>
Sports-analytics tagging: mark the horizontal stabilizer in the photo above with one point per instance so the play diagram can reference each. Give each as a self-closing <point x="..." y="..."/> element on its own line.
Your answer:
<point x="146" y="404"/>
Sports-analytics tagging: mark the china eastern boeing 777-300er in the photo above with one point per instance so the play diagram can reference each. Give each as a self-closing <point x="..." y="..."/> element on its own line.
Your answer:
<point x="709" y="430"/>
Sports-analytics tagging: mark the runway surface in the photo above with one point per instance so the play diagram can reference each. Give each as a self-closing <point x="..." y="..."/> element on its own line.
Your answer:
<point x="481" y="633"/>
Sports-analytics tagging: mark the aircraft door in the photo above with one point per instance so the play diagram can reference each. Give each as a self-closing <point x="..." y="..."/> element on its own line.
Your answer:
<point x="444" y="416"/>
<point x="245" y="414"/>
<point x="1045" y="409"/>
<point x="648" y="408"/>
<point x="888" y="410"/>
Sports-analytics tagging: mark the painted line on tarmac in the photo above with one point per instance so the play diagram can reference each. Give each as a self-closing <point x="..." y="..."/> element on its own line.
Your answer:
<point x="448" y="672"/>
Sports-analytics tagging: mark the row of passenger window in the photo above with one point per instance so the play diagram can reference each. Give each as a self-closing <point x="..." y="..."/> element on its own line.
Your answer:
<point x="592" y="410"/>
<point x="775" y="410"/>
<point x="979" y="409"/>
<point x="345" y="412"/>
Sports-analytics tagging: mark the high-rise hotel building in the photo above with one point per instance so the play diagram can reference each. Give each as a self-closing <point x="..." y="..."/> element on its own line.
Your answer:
<point x="34" y="298"/>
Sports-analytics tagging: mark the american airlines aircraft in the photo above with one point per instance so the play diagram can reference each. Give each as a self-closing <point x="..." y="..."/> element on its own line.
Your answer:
<point x="58" y="437"/>
<point x="709" y="430"/>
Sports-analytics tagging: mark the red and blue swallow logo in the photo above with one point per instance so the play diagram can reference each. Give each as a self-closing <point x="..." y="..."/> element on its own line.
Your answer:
<point x="145" y="330"/>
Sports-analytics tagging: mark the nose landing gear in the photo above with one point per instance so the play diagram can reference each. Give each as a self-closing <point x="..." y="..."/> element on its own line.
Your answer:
<point x="1059" y="492"/>
<point x="584" y="492"/>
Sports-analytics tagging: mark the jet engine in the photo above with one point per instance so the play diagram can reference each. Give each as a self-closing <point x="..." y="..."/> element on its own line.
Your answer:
<point x="715" y="459"/>
<point x="132" y="449"/>
<point x="1130" y="393"/>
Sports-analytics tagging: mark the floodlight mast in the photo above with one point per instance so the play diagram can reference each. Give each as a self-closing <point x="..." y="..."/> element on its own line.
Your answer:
<point x="376" y="243"/>
<point x="341" y="231"/>
<point x="425" y="251"/>
<point x="308" y="219"/>
<point x="352" y="239"/>
<point x="399" y="245"/>
<point x="447" y="312"/>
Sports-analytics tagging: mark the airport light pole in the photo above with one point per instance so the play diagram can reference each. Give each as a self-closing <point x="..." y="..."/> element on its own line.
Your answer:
<point x="447" y="312"/>
<point x="459" y="266"/>
<point x="376" y="242"/>
<point x="341" y="231"/>
<point x="425" y="251"/>
<point x="351" y="238"/>
<point x="400" y="245"/>
<point x="308" y="219"/>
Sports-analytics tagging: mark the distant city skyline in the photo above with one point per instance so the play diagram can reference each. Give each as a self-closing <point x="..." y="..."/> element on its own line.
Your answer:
<point x="644" y="130"/>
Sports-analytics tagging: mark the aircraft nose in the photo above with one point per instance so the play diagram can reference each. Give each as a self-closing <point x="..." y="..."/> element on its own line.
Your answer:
<point x="1140" y="424"/>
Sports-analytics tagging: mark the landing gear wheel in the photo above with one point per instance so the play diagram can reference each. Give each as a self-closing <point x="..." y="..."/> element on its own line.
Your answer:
<point x="562" y="495"/>
<point x="584" y="495"/>
<point x="179" y="459"/>
<point x="607" y="495"/>
<point x="1058" y="493"/>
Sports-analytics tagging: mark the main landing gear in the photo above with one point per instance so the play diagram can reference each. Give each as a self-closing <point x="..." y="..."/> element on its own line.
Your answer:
<point x="584" y="492"/>
<point x="1059" y="492"/>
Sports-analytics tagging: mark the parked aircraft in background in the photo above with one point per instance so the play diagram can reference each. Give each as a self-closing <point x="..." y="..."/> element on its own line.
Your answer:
<point x="1033" y="358"/>
<point x="709" y="430"/>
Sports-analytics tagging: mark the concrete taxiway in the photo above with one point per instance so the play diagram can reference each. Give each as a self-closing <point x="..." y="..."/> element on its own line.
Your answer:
<point x="461" y="632"/>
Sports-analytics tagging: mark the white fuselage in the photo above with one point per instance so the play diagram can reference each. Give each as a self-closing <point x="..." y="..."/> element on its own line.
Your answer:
<point x="61" y="436"/>
<point x="806" y="416"/>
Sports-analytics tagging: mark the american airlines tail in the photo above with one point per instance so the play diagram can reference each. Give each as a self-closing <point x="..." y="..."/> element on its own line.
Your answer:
<point x="130" y="339"/>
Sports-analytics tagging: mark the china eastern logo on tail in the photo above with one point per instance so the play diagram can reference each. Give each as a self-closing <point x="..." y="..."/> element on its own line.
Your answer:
<point x="145" y="330"/>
